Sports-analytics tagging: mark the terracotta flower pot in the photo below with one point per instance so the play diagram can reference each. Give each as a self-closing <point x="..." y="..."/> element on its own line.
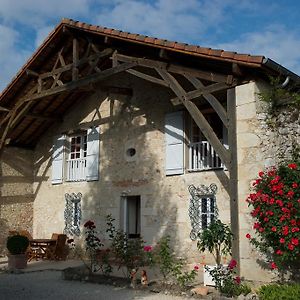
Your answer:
<point x="17" y="261"/>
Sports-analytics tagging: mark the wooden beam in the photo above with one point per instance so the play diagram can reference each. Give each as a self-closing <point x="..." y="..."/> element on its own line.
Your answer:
<point x="69" y="86"/>
<point x="32" y="73"/>
<point x="4" y="108"/>
<point x="233" y="172"/>
<point x="208" y="132"/>
<point x="210" y="76"/>
<point x="75" y="71"/>
<point x="197" y="117"/>
<point x="44" y="117"/>
<point x="173" y="83"/>
<point x="147" y="77"/>
<point x="202" y="91"/>
<point x="212" y="100"/>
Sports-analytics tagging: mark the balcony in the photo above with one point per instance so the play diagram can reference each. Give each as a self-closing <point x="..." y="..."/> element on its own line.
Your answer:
<point x="76" y="169"/>
<point x="202" y="156"/>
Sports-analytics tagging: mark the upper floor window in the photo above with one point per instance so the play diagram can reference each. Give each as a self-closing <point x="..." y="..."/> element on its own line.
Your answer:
<point x="76" y="163"/>
<point x="202" y="155"/>
<point x="76" y="157"/>
<point x="186" y="146"/>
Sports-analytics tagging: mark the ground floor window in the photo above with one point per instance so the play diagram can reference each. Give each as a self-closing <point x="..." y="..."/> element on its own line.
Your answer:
<point x="131" y="215"/>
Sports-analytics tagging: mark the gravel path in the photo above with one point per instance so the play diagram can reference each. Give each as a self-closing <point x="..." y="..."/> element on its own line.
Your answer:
<point x="45" y="285"/>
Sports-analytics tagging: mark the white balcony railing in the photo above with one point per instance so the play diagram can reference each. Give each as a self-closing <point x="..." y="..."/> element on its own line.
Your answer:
<point x="76" y="169"/>
<point x="202" y="156"/>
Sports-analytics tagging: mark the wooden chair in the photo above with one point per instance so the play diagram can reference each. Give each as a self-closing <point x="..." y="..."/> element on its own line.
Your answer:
<point x="58" y="251"/>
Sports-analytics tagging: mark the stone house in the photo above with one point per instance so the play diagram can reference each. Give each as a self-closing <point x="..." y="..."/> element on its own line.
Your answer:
<point x="132" y="123"/>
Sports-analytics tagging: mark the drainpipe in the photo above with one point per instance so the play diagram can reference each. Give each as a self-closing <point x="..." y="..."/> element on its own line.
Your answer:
<point x="274" y="66"/>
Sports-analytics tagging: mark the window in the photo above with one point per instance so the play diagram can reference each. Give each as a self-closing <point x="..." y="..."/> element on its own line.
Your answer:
<point x="76" y="162"/>
<point x="131" y="215"/>
<point x="201" y="155"/>
<point x="76" y="157"/>
<point x="207" y="211"/>
<point x="203" y="208"/>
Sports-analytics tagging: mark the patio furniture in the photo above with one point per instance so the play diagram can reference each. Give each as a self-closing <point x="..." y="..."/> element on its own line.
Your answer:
<point x="58" y="250"/>
<point x="40" y="248"/>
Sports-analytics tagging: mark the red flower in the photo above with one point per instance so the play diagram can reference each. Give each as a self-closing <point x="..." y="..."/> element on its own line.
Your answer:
<point x="261" y="229"/>
<point x="261" y="174"/>
<point x="273" y="266"/>
<point x="274" y="229"/>
<point x="256" y="225"/>
<point x="294" y="222"/>
<point x="291" y="247"/>
<point x="295" y="241"/>
<point x="294" y="185"/>
<point x="89" y="224"/>
<point x="292" y="166"/>
<point x="196" y="268"/>
<point x="279" y="202"/>
<point x="279" y="252"/>
<point x="147" y="248"/>
<point x="237" y="279"/>
<point x="248" y="236"/>
<point x="266" y="219"/>
<point x="290" y="194"/>
<point x="282" y="240"/>
<point x="295" y="229"/>
<point x="232" y="264"/>
<point x="285" y="230"/>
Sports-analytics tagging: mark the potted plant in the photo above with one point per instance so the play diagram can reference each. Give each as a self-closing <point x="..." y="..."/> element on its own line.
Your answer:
<point x="216" y="239"/>
<point x="17" y="246"/>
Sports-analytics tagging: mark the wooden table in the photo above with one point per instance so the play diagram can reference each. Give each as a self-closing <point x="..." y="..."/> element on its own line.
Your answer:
<point x="42" y="248"/>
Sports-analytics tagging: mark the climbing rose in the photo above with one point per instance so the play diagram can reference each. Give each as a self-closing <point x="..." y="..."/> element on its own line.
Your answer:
<point x="232" y="264"/>
<point x="273" y="266"/>
<point x="292" y="166"/>
<point x="248" y="236"/>
<point x="196" y="268"/>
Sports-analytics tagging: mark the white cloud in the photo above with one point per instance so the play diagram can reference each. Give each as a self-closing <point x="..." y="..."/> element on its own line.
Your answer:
<point x="38" y="12"/>
<point x="41" y="34"/>
<point x="170" y="19"/>
<point x="275" y="42"/>
<point x="11" y="58"/>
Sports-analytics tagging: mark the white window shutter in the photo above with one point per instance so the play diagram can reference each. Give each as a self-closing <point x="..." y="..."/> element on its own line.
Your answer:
<point x="174" y="143"/>
<point x="58" y="159"/>
<point x="92" y="158"/>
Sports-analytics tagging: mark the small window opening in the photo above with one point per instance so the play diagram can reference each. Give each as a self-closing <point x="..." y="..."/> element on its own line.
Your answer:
<point x="131" y="215"/>
<point x="131" y="152"/>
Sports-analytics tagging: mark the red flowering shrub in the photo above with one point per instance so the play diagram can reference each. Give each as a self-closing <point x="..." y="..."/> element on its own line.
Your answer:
<point x="276" y="214"/>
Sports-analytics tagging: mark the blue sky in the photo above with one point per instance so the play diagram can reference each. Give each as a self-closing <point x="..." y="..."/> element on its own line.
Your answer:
<point x="263" y="27"/>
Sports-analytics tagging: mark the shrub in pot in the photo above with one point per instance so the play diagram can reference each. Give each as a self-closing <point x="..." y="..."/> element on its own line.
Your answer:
<point x="17" y="246"/>
<point x="216" y="239"/>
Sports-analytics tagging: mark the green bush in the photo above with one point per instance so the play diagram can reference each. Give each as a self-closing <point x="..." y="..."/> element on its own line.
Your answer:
<point x="17" y="244"/>
<point x="279" y="291"/>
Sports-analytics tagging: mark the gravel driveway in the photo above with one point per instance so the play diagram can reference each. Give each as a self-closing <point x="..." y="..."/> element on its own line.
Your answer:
<point x="50" y="285"/>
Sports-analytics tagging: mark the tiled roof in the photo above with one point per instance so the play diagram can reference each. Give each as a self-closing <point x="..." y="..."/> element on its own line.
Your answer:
<point x="170" y="45"/>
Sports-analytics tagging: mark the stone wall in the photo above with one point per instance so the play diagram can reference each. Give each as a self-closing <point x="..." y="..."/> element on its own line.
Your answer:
<point x="262" y="143"/>
<point x="137" y="122"/>
<point x="281" y="133"/>
<point x="16" y="192"/>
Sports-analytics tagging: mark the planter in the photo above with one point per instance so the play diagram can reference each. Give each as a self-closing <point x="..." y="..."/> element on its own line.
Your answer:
<point x="207" y="279"/>
<point x="17" y="261"/>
